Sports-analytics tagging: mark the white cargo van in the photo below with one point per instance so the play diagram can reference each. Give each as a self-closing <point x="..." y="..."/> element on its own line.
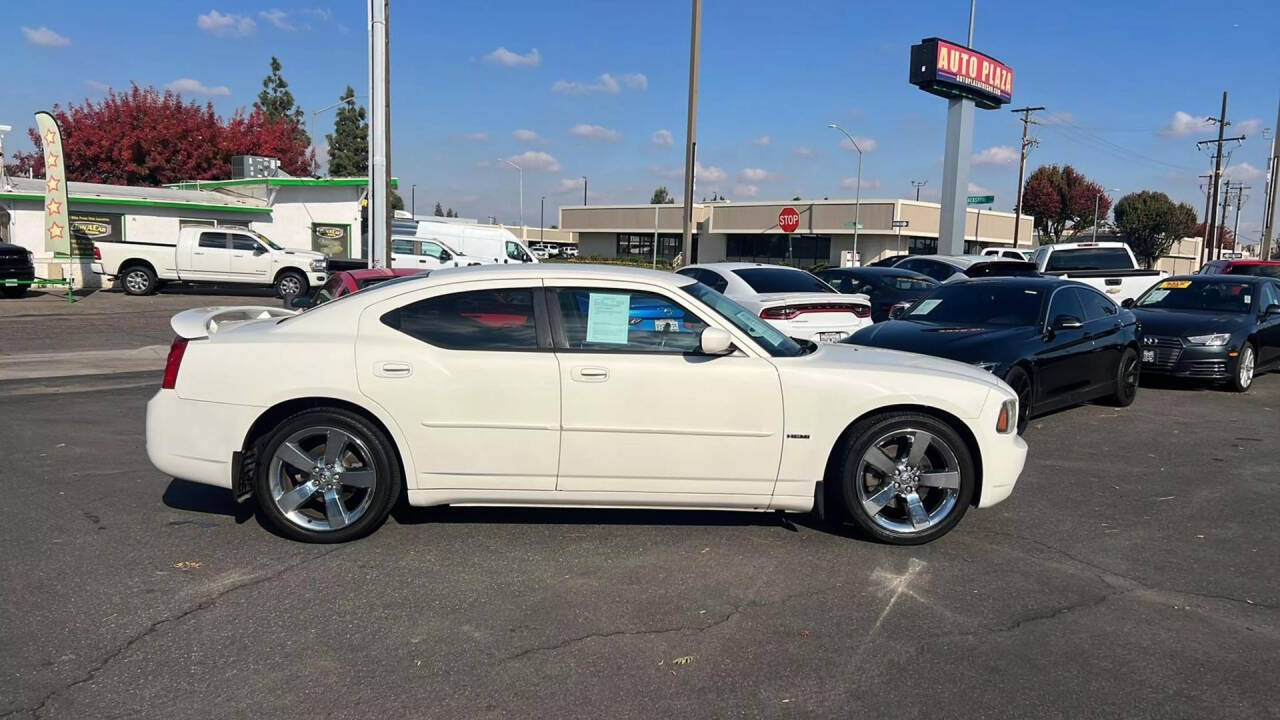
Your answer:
<point x="417" y="254"/>
<point x="490" y="242"/>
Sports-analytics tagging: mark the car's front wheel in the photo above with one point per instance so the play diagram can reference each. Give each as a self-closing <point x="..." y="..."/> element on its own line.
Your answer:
<point x="1128" y="373"/>
<point x="906" y="478"/>
<point x="290" y="285"/>
<point x="326" y="476"/>
<point x="1242" y="379"/>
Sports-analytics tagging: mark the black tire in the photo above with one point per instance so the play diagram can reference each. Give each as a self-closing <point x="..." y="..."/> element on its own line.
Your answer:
<point x="1244" y="369"/>
<point x="945" y="443"/>
<point x="1024" y="386"/>
<point x="291" y="284"/>
<point x="14" y="292"/>
<point x="276" y="480"/>
<point x="138" y="280"/>
<point x="1128" y="376"/>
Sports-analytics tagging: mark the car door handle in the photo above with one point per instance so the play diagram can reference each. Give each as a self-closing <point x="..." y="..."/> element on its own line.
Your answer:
<point x="590" y="374"/>
<point x="392" y="369"/>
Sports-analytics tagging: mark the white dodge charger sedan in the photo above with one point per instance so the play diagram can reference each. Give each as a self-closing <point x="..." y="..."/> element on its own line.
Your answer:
<point x="570" y="385"/>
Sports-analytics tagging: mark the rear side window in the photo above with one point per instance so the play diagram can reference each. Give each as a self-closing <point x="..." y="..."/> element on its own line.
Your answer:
<point x="404" y="247"/>
<point x="213" y="240"/>
<point x="1096" y="305"/>
<point x="936" y="270"/>
<point x="902" y="282"/>
<point x="477" y="320"/>
<point x="778" y="280"/>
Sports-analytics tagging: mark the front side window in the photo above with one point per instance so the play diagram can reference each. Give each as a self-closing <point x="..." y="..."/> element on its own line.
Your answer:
<point x="1199" y="294"/>
<point x="475" y="320"/>
<point x="265" y="240"/>
<point x="1268" y="296"/>
<point x="432" y="249"/>
<point x="517" y="253"/>
<point x="611" y="320"/>
<point x="213" y="240"/>
<point x="1066" y="302"/>
<point x="1096" y="305"/>
<point x="244" y="243"/>
<point x="766" y="280"/>
<point x="767" y="336"/>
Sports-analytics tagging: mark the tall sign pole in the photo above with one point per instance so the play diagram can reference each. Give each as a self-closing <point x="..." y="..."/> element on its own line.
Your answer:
<point x="379" y="136"/>
<point x="955" y="166"/>
<point x="691" y="131"/>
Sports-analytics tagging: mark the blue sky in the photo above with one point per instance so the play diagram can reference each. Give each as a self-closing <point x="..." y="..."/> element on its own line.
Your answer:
<point x="594" y="83"/>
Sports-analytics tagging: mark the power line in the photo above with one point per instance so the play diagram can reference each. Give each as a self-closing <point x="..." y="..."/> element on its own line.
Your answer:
<point x="1083" y="137"/>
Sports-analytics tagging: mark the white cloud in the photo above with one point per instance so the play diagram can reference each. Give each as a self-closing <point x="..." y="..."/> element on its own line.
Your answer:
<point x="977" y="189"/>
<point x="1244" y="172"/>
<point x="754" y="174"/>
<point x="670" y="173"/>
<point x="97" y="86"/>
<point x="635" y="81"/>
<point x="867" y="144"/>
<point x="805" y="152"/>
<point x="1184" y="124"/>
<point x="997" y="155"/>
<point x="709" y="173"/>
<point x="762" y="141"/>
<point x="568" y="185"/>
<point x="746" y="190"/>
<point x="663" y="137"/>
<point x="535" y="160"/>
<point x="594" y="132"/>
<point x="605" y="84"/>
<point x="45" y="37"/>
<point x="192" y="86"/>
<point x="851" y="183"/>
<point x="1056" y="118"/>
<point x="1247" y="127"/>
<point x="225" y="25"/>
<point x="526" y="136"/>
<point x="506" y="58"/>
<point x="277" y="17"/>
<point x="476" y="136"/>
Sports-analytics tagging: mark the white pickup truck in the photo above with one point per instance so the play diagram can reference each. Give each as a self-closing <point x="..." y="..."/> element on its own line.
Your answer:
<point x="1108" y="266"/>
<point x="210" y="255"/>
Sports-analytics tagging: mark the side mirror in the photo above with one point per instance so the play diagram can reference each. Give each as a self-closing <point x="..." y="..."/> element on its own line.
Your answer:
<point x="1067" y="322"/>
<point x="302" y="302"/>
<point x="715" y="341"/>
<point x="259" y="250"/>
<point x="1272" y="309"/>
<point x="897" y="311"/>
<point x="445" y="256"/>
<point x="1128" y="303"/>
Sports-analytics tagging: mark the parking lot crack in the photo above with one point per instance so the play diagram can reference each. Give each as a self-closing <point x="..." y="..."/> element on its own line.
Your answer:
<point x="146" y="632"/>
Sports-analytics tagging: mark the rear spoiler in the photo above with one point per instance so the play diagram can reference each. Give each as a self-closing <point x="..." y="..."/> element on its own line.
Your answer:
<point x="1000" y="267"/>
<point x="205" y="322"/>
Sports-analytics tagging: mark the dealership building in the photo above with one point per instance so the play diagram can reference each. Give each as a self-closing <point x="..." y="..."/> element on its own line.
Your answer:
<point x="751" y="231"/>
<point x="305" y="213"/>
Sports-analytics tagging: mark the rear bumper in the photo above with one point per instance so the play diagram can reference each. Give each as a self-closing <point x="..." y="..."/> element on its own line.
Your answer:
<point x="194" y="440"/>
<point x="813" y="330"/>
<point x="17" y="273"/>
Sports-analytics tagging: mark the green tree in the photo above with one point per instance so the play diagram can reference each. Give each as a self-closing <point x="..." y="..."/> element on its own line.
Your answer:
<point x="450" y="213"/>
<point x="661" y="197"/>
<point x="349" y="141"/>
<point x="796" y="198"/>
<point x="277" y="103"/>
<point x="439" y="210"/>
<point x="1150" y="222"/>
<point x="397" y="202"/>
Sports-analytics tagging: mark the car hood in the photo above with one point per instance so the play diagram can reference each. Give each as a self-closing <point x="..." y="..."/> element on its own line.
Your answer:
<point x="975" y="343"/>
<point x="846" y="356"/>
<point x="310" y="254"/>
<point x="11" y="249"/>
<point x="1180" y="323"/>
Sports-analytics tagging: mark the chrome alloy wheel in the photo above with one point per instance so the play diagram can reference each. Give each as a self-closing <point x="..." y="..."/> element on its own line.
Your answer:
<point x="322" y="478"/>
<point x="1246" y="366"/>
<point x="908" y="481"/>
<point x="136" y="281"/>
<point x="290" y="285"/>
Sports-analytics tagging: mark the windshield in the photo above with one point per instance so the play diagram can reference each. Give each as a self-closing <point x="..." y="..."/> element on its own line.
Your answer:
<point x="779" y="280"/>
<point x="777" y="344"/>
<point x="902" y="282"/>
<point x="265" y="240"/>
<point x="1236" y="297"/>
<point x="1090" y="259"/>
<point x="979" y="304"/>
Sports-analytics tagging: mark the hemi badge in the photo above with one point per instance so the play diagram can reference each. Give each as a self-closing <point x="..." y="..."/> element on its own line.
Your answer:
<point x="797" y="436"/>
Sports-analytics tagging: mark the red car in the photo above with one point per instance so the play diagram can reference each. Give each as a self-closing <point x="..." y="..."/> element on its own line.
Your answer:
<point x="1265" y="268"/>
<point x="349" y="281"/>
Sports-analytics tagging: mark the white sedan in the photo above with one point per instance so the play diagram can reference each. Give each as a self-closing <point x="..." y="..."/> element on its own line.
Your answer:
<point x="796" y="302"/>
<point x="570" y="385"/>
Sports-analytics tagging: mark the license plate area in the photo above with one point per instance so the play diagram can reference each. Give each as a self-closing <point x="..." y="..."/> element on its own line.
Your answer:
<point x="1148" y="356"/>
<point x="831" y="337"/>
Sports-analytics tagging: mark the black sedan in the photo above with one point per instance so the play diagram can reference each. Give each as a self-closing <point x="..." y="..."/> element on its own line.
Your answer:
<point x="1055" y="342"/>
<point x="1216" y="327"/>
<point x="15" y="266"/>
<point x="884" y="285"/>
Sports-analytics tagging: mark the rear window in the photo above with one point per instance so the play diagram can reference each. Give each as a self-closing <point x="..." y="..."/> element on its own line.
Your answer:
<point x="779" y="280"/>
<point x="1089" y="259"/>
<point x="1005" y="268"/>
<point x="899" y="282"/>
<point x="1263" y="270"/>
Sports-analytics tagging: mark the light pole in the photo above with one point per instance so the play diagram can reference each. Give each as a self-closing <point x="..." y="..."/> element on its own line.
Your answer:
<point x="413" y="200"/>
<point x="517" y="167"/>
<point x="917" y="184"/>
<point x="857" y="198"/>
<point x="314" y="113"/>
<point x="542" y="223"/>
<point x="584" y="189"/>
<point x="1096" y="198"/>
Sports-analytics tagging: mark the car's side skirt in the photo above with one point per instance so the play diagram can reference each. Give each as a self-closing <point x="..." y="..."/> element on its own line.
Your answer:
<point x="594" y="499"/>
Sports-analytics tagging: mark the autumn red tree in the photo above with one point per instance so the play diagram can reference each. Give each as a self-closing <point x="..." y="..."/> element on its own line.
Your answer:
<point x="147" y="137"/>
<point x="1062" y="200"/>
<point x="1225" y="233"/>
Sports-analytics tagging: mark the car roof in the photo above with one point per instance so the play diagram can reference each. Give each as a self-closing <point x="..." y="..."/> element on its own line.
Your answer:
<point x="1221" y="277"/>
<point x="740" y="266"/>
<point x="584" y="271"/>
<point x="1252" y="262"/>
<point x="964" y="261"/>
<point x="878" y="270"/>
<point x="1030" y="282"/>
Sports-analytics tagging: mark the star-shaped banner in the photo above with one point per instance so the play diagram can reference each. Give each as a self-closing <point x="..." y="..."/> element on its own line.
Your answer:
<point x="50" y="137"/>
<point x="52" y="185"/>
<point x="54" y="207"/>
<point x="52" y="160"/>
<point x="56" y="222"/>
<point x="55" y="231"/>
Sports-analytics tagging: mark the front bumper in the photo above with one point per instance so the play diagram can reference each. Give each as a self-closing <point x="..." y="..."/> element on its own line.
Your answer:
<point x="194" y="440"/>
<point x="1172" y="357"/>
<point x="317" y="278"/>
<point x="1002" y="455"/>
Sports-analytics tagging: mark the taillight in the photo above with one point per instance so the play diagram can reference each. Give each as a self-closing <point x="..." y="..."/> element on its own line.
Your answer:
<point x="176" y="350"/>
<point x="779" y="313"/>
<point x="862" y="312"/>
<point x="97" y="253"/>
<point x="787" y="312"/>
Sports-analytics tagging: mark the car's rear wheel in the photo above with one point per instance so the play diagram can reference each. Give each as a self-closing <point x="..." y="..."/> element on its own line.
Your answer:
<point x="906" y="479"/>
<point x="326" y="476"/>
<point x="1019" y="380"/>
<point x="138" y="280"/>
<point x="1242" y="378"/>
<point x="1128" y="374"/>
<point x="14" y="291"/>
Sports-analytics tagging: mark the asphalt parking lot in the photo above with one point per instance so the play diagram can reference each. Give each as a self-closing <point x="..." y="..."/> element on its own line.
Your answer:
<point x="1131" y="574"/>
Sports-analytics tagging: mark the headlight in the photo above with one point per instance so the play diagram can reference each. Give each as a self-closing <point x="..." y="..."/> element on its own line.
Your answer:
<point x="1214" y="340"/>
<point x="987" y="365"/>
<point x="320" y="264"/>
<point x="1007" y="420"/>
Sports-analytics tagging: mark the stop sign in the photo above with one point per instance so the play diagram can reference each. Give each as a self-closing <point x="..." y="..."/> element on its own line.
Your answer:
<point x="789" y="220"/>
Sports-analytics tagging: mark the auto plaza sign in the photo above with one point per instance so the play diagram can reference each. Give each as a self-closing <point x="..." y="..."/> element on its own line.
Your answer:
<point x="950" y="70"/>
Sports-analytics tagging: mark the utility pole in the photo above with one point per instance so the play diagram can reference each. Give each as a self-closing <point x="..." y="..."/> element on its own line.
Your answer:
<point x="1022" y="168"/>
<point x="1207" y="199"/>
<point x="584" y="189"/>
<point x="1221" y="231"/>
<point x="1235" y="233"/>
<point x="1212" y="221"/>
<point x="691" y="132"/>
<point x="1269" y="199"/>
<point x="917" y="184"/>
